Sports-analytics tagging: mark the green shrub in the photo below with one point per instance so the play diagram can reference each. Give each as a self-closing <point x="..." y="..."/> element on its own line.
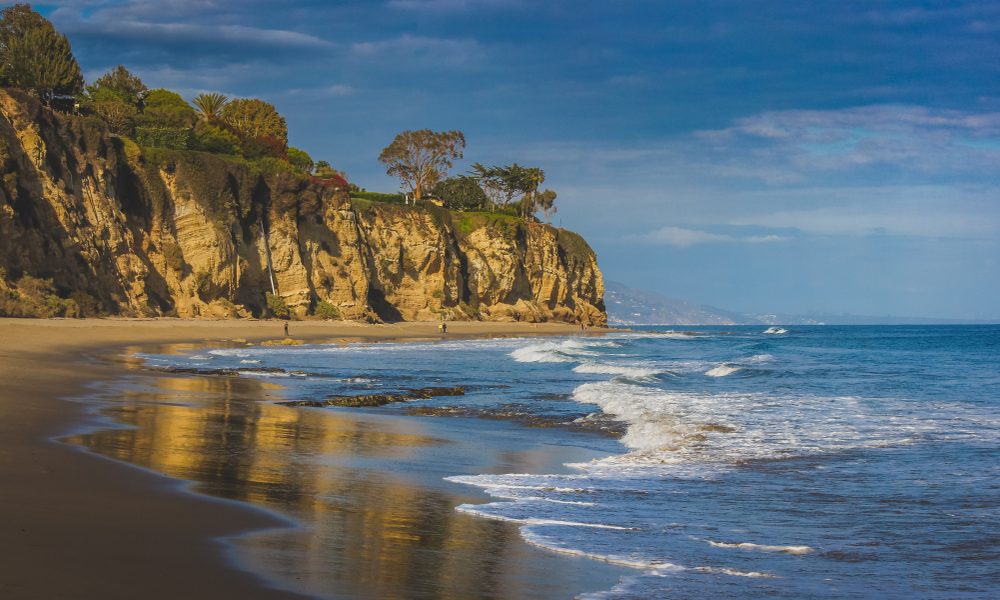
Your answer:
<point x="203" y="285"/>
<point x="276" y="307"/>
<point x="467" y="222"/>
<point x="300" y="159"/>
<point x="36" y="297"/>
<point x="163" y="108"/>
<point x="326" y="310"/>
<point x="174" y="255"/>
<point x="214" y="139"/>
<point x="177" y="138"/>
<point x="461" y="193"/>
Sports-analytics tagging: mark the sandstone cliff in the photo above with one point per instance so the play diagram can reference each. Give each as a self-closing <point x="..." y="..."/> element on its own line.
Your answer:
<point x="123" y="230"/>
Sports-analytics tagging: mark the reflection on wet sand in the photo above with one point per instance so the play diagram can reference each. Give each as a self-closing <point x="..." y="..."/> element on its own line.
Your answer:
<point x="378" y="530"/>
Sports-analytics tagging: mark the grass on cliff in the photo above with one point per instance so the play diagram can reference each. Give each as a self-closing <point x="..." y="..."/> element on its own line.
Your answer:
<point x="467" y="222"/>
<point x="464" y="222"/>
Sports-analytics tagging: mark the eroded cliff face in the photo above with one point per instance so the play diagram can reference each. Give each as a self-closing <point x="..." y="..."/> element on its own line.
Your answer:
<point x="155" y="232"/>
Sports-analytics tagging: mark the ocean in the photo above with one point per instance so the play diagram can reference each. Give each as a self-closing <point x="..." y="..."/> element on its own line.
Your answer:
<point x="726" y="462"/>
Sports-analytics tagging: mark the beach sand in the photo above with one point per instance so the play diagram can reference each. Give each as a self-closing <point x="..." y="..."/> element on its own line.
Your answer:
<point x="73" y="525"/>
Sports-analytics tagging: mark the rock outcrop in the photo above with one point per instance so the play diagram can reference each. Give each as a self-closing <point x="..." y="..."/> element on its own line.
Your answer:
<point x="145" y="232"/>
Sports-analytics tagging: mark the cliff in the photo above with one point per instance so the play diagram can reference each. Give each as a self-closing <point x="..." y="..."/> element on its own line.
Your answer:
<point x="90" y="224"/>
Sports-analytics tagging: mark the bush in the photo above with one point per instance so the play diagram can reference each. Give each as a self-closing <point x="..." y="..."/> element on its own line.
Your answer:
<point x="300" y="159"/>
<point x="203" y="285"/>
<point x="215" y="139"/>
<point x="276" y="306"/>
<point x="326" y="310"/>
<point x="461" y="193"/>
<point x="163" y="108"/>
<point x="35" y="297"/>
<point x="264" y="146"/>
<point x="119" y="116"/>
<point x="177" y="138"/>
<point x="175" y="256"/>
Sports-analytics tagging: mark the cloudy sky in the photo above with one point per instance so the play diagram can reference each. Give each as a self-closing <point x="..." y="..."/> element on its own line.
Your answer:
<point x="822" y="156"/>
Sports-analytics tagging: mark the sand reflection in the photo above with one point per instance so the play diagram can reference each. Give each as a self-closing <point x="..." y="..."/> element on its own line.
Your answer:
<point x="374" y="525"/>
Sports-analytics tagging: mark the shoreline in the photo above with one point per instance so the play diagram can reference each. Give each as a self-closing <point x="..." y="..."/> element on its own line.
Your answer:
<point x="113" y="529"/>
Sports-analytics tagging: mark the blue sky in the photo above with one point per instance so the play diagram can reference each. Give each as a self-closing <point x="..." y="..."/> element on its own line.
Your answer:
<point x="822" y="156"/>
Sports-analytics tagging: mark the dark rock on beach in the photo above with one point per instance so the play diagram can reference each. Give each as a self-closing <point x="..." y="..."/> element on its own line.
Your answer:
<point x="372" y="400"/>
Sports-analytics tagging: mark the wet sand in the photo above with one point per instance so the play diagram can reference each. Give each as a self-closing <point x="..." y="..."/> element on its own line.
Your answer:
<point x="76" y="526"/>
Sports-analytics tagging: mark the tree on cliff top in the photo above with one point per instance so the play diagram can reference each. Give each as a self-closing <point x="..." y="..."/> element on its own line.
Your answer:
<point x="119" y="84"/>
<point x="420" y="159"/>
<point x="35" y="57"/>
<point x="461" y="193"/>
<point x="210" y="105"/>
<point x="253" y="118"/>
<point x="503" y="184"/>
<point x="164" y="108"/>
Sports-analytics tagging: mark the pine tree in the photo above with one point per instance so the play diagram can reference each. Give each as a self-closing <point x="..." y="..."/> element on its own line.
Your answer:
<point x="35" y="57"/>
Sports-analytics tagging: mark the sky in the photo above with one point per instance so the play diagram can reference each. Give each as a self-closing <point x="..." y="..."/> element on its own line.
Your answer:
<point x="793" y="157"/>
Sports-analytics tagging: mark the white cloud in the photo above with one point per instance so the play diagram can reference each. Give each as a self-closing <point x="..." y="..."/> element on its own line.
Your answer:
<point x="451" y="5"/>
<point x="683" y="238"/>
<point x="112" y="24"/>
<point x="336" y="90"/>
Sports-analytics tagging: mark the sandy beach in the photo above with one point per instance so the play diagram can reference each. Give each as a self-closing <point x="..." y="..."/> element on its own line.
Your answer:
<point x="78" y="526"/>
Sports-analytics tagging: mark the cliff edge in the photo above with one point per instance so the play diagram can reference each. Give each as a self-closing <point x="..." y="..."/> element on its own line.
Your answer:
<point x="92" y="224"/>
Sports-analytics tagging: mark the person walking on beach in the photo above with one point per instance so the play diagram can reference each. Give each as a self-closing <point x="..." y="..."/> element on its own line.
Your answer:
<point x="286" y="328"/>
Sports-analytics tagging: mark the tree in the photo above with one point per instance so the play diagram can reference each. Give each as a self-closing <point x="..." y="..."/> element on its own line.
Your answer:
<point x="215" y="139"/>
<point x="119" y="84"/>
<point x="300" y="159"/>
<point x="209" y="106"/>
<point x="164" y="108"/>
<point x="253" y="118"/>
<point x="491" y="181"/>
<point x="503" y="184"/>
<point x="462" y="193"/>
<point x="420" y="159"/>
<point x="35" y="57"/>
<point x="546" y="202"/>
<point x="119" y="116"/>
<point x="325" y="171"/>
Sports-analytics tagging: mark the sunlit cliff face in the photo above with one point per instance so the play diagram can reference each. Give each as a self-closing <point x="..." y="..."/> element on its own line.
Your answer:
<point x="368" y="530"/>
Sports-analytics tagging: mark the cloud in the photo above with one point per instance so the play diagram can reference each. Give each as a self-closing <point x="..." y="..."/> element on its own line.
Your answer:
<point x="921" y="139"/>
<point x="336" y="90"/>
<point x="452" y="5"/>
<point x="112" y="23"/>
<point x="682" y="238"/>
<point x="414" y="44"/>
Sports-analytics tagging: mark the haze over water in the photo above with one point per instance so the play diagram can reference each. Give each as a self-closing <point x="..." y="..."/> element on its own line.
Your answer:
<point x="812" y="462"/>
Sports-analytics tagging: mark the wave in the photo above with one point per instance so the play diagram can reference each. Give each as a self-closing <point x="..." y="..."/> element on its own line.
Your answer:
<point x="722" y="370"/>
<point x="776" y="331"/>
<point x="762" y="547"/>
<point x="557" y="352"/>
<point x="610" y="369"/>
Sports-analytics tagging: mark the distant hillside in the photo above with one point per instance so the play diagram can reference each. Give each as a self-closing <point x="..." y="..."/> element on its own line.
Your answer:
<point x="628" y="306"/>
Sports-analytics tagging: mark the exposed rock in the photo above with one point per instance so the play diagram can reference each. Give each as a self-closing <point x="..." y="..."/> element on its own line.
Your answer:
<point x="370" y="400"/>
<point x="150" y="232"/>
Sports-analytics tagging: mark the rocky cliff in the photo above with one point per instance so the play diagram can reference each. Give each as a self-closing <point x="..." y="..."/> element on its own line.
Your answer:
<point x="92" y="224"/>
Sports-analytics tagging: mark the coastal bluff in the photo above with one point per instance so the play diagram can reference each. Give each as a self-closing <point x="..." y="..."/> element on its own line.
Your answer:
<point x="92" y="224"/>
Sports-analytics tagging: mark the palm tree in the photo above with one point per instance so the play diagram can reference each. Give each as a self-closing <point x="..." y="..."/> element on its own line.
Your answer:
<point x="210" y="105"/>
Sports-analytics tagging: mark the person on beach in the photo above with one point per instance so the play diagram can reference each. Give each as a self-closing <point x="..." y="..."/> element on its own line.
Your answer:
<point x="286" y="328"/>
<point x="443" y="328"/>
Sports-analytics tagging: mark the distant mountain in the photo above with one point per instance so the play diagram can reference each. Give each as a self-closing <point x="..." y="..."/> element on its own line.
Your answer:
<point x="629" y="306"/>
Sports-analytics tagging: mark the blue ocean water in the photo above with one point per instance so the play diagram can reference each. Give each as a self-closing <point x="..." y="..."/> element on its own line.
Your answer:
<point x="806" y="462"/>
